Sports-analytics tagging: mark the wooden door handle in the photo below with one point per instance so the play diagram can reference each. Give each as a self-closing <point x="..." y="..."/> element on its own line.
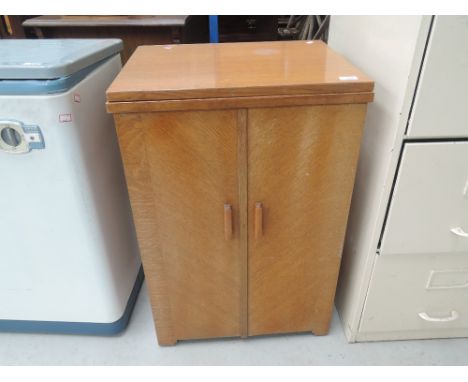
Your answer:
<point x="227" y="221"/>
<point x="258" y="224"/>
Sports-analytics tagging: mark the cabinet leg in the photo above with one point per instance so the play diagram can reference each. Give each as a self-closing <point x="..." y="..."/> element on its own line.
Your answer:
<point x="321" y="330"/>
<point x="165" y="336"/>
<point x="167" y="341"/>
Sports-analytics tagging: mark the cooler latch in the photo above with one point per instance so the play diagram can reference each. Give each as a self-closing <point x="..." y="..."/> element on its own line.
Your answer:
<point x="19" y="138"/>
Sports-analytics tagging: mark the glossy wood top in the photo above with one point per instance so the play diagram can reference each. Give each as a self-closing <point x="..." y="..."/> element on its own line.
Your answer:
<point x="165" y="72"/>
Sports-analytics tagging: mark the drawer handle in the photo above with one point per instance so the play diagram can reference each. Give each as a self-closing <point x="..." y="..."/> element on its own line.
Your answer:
<point x="453" y="316"/>
<point x="258" y="220"/>
<point x="227" y="221"/>
<point x="459" y="232"/>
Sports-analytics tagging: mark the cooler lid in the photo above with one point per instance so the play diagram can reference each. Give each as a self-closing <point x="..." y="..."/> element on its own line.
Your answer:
<point x="23" y="59"/>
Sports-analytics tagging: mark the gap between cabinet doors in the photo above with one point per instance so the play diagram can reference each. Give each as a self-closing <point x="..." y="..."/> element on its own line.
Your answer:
<point x="242" y="158"/>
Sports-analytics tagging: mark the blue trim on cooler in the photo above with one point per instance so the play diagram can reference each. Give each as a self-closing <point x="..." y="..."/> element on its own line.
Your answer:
<point x="90" y="328"/>
<point x="41" y="87"/>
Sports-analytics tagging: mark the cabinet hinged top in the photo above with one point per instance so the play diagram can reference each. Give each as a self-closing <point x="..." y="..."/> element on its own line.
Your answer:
<point x="233" y="70"/>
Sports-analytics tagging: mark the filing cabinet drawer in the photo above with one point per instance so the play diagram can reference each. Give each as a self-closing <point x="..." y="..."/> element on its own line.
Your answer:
<point x="417" y="294"/>
<point x="429" y="208"/>
<point x="440" y="108"/>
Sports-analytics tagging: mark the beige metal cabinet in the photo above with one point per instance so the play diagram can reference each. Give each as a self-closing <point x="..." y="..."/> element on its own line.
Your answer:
<point x="404" y="272"/>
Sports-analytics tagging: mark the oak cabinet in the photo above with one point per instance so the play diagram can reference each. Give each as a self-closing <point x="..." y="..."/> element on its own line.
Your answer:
<point x="240" y="201"/>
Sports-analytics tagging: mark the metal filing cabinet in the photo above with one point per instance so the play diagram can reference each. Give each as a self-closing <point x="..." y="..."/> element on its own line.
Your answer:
<point x="405" y="263"/>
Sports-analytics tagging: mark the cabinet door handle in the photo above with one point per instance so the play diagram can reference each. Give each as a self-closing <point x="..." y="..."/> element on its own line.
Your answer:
<point x="459" y="232"/>
<point x="258" y="220"/>
<point x="227" y="221"/>
<point x="453" y="316"/>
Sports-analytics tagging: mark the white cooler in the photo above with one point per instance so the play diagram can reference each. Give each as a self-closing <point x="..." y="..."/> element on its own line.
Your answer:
<point x="68" y="252"/>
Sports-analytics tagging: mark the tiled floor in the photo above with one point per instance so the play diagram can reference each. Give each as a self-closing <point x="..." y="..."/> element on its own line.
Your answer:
<point x="138" y="346"/>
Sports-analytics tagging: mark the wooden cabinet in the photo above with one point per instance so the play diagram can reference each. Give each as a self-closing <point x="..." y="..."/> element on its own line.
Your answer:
<point x="240" y="166"/>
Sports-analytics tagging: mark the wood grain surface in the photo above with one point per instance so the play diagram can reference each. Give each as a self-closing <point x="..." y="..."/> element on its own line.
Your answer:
<point x="240" y="161"/>
<point x="238" y="102"/>
<point x="302" y="163"/>
<point x="181" y="169"/>
<point x="168" y="72"/>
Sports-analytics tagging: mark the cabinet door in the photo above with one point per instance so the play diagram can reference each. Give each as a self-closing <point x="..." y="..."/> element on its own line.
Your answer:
<point x="181" y="170"/>
<point x="301" y="167"/>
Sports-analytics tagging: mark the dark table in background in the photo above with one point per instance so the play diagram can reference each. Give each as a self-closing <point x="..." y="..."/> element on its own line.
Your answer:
<point x="248" y="28"/>
<point x="133" y="30"/>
